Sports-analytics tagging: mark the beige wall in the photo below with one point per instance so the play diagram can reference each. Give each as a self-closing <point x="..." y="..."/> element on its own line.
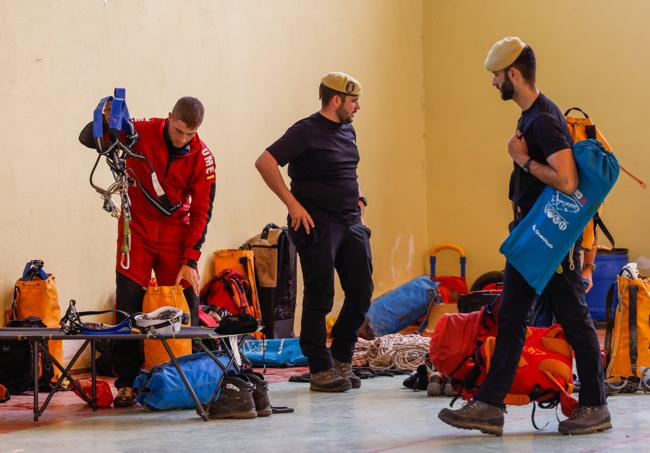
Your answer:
<point x="590" y="54"/>
<point x="255" y="64"/>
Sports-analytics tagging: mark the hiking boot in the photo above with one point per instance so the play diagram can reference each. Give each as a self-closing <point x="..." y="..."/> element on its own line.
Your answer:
<point x="236" y="400"/>
<point x="448" y="388"/>
<point x="434" y="387"/>
<point x="125" y="397"/>
<point x="345" y="370"/>
<point x="329" y="381"/>
<point x="260" y="394"/>
<point x="475" y="415"/>
<point x="587" y="420"/>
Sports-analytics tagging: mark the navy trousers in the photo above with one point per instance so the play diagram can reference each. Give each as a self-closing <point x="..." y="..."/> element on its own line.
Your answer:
<point x="333" y="246"/>
<point x="566" y="297"/>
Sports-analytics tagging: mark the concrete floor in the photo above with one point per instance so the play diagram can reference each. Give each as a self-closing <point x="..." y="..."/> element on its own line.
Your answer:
<point x="382" y="416"/>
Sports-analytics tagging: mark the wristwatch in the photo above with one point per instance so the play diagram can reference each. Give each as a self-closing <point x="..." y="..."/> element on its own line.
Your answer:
<point x="526" y="166"/>
<point x="591" y="266"/>
<point x="363" y="200"/>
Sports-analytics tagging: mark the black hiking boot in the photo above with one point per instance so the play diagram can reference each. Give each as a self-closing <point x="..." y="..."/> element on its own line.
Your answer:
<point x="475" y="415"/>
<point x="260" y="394"/>
<point x="236" y="400"/>
<point x="329" y="381"/>
<point x="587" y="420"/>
<point x="345" y="370"/>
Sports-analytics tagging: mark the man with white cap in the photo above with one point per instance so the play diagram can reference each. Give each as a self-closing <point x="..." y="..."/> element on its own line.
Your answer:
<point x="326" y="205"/>
<point x="542" y="156"/>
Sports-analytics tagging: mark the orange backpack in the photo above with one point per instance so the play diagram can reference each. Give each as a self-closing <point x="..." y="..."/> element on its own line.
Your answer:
<point x="462" y="346"/>
<point x="37" y="296"/>
<point x="627" y="353"/>
<point x="161" y="296"/>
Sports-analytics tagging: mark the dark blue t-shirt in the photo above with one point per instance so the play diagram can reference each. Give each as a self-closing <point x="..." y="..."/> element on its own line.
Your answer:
<point x="322" y="157"/>
<point x="546" y="133"/>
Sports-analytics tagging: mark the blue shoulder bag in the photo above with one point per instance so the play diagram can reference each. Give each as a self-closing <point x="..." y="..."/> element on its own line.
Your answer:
<point x="539" y="243"/>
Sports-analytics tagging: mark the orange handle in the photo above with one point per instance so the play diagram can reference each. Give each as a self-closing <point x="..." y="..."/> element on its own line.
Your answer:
<point x="448" y="246"/>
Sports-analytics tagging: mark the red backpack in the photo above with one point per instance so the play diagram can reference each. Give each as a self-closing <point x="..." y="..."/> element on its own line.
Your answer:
<point x="228" y="290"/>
<point x="462" y="345"/>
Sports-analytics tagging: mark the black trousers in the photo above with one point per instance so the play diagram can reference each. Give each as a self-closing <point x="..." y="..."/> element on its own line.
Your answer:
<point x="128" y="355"/>
<point x="566" y="296"/>
<point x="345" y="248"/>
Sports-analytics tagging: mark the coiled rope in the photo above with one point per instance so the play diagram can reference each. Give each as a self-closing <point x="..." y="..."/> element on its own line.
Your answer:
<point x="405" y="352"/>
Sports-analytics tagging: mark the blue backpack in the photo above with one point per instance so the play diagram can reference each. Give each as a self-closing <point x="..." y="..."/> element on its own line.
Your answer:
<point x="539" y="243"/>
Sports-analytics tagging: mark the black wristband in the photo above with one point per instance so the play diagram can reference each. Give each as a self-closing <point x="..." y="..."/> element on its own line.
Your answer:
<point x="526" y="166"/>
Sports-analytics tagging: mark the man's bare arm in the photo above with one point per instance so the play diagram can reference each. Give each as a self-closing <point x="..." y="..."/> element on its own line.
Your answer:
<point x="560" y="173"/>
<point x="268" y="168"/>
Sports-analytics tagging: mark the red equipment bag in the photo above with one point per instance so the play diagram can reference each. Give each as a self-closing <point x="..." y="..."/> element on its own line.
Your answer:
<point x="462" y="345"/>
<point x="450" y="286"/>
<point x="104" y="394"/>
<point x="229" y="290"/>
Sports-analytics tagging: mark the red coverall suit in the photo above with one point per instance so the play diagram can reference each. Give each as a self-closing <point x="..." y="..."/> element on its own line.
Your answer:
<point x="160" y="242"/>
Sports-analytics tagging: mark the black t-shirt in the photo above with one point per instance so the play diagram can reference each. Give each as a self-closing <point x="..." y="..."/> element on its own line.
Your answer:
<point x="322" y="157"/>
<point x="546" y="133"/>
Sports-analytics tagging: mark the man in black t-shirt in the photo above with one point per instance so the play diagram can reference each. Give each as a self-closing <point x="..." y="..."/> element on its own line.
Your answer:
<point x="326" y="206"/>
<point x="542" y="156"/>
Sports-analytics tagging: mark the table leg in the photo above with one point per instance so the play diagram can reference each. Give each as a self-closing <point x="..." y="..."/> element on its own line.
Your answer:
<point x="65" y="374"/>
<point x="93" y="374"/>
<point x="35" y="362"/>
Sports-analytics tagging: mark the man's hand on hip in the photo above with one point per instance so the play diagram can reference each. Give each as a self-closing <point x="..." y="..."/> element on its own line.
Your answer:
<point x="190" y="275"/>
<point x="300" y="217"/>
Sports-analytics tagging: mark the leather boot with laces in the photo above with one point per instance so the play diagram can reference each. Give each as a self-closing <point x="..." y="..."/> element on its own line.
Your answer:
<point x="236" y="400"/>
<point x="587" y="420"/>
<point x="475" y="415"/>
<point x="329" y="381"/>
<point x="260" y="394"/>
<point x="345" y="370"/>
<point x="125" y="397"/>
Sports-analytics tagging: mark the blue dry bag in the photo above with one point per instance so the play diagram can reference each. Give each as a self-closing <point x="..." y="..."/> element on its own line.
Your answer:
<point x="276" y="352"/>
<point x="397" y="309"/>
<point x="162" y="388"/>
<point x="539" y="243"/>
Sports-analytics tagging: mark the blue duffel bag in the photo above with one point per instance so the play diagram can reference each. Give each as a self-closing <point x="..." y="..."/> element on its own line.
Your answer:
<point x="401" y="307"/>
<point x="539" y="243"/>
<point x="162" y="388"/>
<point x="275" y="352"/>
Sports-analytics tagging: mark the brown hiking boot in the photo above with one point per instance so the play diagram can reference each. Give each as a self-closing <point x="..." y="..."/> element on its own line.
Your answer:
<point x="236" y="400"/>
<point x="587" y="420"/>
<point x="260" y="394"/>
<point x="345" y="370"/>
<point x="329" y="381"/>
<point x="475" y="415"/>
<point x="125" y="397"/>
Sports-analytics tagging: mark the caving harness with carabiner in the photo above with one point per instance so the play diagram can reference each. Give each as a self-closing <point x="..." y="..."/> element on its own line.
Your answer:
<point x="116" y="152"/>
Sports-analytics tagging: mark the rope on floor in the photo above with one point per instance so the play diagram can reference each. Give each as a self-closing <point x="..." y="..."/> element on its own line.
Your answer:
<point x="405" y="352"/>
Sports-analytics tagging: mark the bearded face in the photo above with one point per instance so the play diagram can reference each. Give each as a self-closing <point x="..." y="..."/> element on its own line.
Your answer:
<point x="507" y="89"/>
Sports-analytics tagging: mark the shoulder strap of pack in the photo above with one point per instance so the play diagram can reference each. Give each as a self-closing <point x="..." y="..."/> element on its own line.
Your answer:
<point x="633" y="291"/>
<point x="598" y="222"/>
<point x="609" y="323"/>
<point x="265" y="231"/>
<point x="578" y="109"/>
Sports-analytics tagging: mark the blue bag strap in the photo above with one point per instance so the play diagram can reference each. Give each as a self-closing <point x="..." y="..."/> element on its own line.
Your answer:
<point x="98" y="118"/>
<point x="120" y="118"/>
